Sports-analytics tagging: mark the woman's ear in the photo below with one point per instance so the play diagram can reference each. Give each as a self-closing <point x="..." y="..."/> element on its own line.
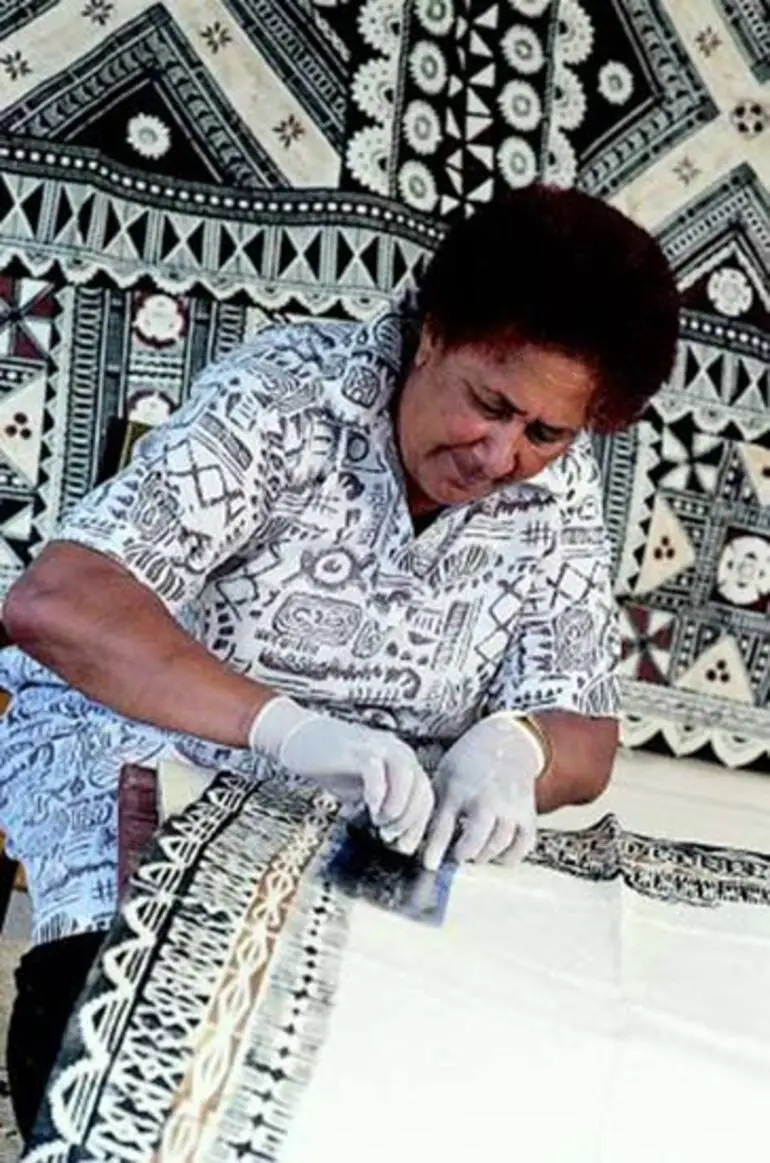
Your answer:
<point x="426" y="346"/>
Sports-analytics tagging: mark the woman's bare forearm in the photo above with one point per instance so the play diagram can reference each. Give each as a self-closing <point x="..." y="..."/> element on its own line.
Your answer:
<point x="87" y="619"/>
<point x="582" y="756"/>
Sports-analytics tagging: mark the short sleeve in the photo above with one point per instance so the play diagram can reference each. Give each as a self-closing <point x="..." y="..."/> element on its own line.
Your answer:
<point x="198" y="489"/>
<point x="564" y="651"/>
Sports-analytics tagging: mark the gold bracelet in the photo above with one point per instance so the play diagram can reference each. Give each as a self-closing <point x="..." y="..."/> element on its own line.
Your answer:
<point x="539" y="734"/>
<point x="536" y="731"/>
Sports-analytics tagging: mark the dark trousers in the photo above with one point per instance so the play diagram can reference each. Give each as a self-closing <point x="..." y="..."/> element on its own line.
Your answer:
<point x="49" y="980"/>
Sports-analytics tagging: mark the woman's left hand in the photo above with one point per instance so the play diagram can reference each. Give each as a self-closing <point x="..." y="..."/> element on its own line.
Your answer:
<point x="485" y="787"/>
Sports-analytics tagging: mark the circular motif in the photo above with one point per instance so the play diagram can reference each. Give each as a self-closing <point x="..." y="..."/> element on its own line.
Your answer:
<point x="435" y="16"/>
<point x="379" y="23"/>
<point x="160" y="320"/>
<point x="373" y="88"/>
<point x="520" y="105"/>
<point x="743" y="573"/>
<point x="730" y="291"/>
<point x="523" y="49"/>
<point x="19" y="426"/>
<point x="148" y="135"/>
<point x="616" y="82"/>
<point x="368" y="155"/>
<point x="332" y="568"/>
<point x="530" y="7"/>
<point x="665" y="549"/>
<point x="357" y="447"/>
<point x="415" y="181"/>
<point x="428" y="67"/>
<point x="750" y="118"/>
<point x="422" y="127"/>
<point x="561" y="163"/>
<point x="517" y="162"/>
<point x="719" y="672"/>
<point x="569" y="99"/>
<point x="574" y="33"/>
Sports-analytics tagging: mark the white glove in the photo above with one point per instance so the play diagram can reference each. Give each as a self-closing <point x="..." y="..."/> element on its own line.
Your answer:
<point x="486" y="787"/>
<point x="359" y="765"/>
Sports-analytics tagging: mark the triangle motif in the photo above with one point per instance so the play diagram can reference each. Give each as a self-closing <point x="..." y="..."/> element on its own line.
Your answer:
<point x="21" y="427"/>
<point x="667" y="552"/>
<point x="475" y="126"/>
<point x="486" y="77"/>
<point x="720" y="671"/>
<point x="479" y="46"/>
<point x="756" y="460"/>
<point x="490" y="18"/>
<point x="32" y="206"/>
<point x="147" y="121"/>
<point x="475" y="106"/>
<point x="484" y="192"/>
<point x="17" y="522"/>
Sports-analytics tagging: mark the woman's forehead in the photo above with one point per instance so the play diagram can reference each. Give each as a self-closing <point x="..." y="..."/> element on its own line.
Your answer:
<point x="556" y="386"/>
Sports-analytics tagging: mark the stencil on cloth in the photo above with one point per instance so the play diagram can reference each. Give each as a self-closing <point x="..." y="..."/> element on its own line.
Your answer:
<point x="209" y="1008"/>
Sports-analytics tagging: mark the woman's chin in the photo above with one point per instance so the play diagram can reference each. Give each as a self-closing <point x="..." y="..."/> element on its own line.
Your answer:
<point x="451" y="491"/>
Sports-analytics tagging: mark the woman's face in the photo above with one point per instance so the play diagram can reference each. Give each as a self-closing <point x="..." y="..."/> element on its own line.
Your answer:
<point x="472" y="418"/>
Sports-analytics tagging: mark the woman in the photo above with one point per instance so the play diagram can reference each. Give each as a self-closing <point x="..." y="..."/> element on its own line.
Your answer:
<point x="360" y="553"/>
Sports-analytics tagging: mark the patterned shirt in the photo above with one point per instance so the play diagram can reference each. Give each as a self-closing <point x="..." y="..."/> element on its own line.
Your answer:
<point x="270" y="516"/>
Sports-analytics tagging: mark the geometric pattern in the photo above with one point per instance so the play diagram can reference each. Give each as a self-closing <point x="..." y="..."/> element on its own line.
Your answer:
<point x="250" y="852"/>
<point x="209" y="1018"/>
<point x="664" y="870"/>
<point x="620" y="102"/>
<point x="172" y="177"/>
<point x="747" y="20"/>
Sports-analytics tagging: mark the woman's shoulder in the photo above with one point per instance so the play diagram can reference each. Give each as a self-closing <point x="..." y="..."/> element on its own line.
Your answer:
<point x="572" y="476"/>
<point x="312" y="364"/>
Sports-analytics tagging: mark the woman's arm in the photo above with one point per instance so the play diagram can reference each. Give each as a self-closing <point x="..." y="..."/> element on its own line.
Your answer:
<point x="89" y="620"/>
<point x="582" y="754"/>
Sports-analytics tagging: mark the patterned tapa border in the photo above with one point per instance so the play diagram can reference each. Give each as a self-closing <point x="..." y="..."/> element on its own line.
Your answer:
<point x="203" y="1020"/>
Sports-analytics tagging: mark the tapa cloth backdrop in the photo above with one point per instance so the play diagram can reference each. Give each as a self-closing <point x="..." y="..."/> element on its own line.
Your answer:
<point x="175" y="175"/>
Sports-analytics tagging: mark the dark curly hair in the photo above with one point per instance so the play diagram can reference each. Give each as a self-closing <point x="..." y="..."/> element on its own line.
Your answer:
<point x="563" y="270"/>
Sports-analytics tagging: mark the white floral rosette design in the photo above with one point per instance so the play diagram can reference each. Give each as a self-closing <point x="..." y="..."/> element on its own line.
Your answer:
<point x="569" y="99"/>
<point x="427" y="65"/>
<point x="743" y="573"/>
<point x="531" y="8"/>
<point x="517" y="162"/>
<point x="561" y="165"/>
<point x="373" y="91"/>
<point x="616" y="82"/>
<point x="575" y="33"/>
<point x="417" y="186"/>
<point x="160" y="320"/>
<point x="523" y="49"/>
<point x="730" y="291"/>
<point x="379" y="23"/>
<point x="422" y="127"/>
<point x="369" y="156"/>
<point x="436" y="16"/>
<point x="373" y="87"/>
<point x="520" y="106"/>
<point x="149" y="136"/>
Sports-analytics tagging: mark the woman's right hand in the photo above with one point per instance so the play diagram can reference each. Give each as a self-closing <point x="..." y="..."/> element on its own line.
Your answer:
<point x="359" y="765"/>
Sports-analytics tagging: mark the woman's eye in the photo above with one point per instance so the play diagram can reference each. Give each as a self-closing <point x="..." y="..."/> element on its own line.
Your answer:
<point x="489" y="410"/>
<point x="539" y="435"/>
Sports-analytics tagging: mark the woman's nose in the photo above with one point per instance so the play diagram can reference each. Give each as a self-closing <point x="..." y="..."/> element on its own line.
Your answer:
<point x="502" y="448"/>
